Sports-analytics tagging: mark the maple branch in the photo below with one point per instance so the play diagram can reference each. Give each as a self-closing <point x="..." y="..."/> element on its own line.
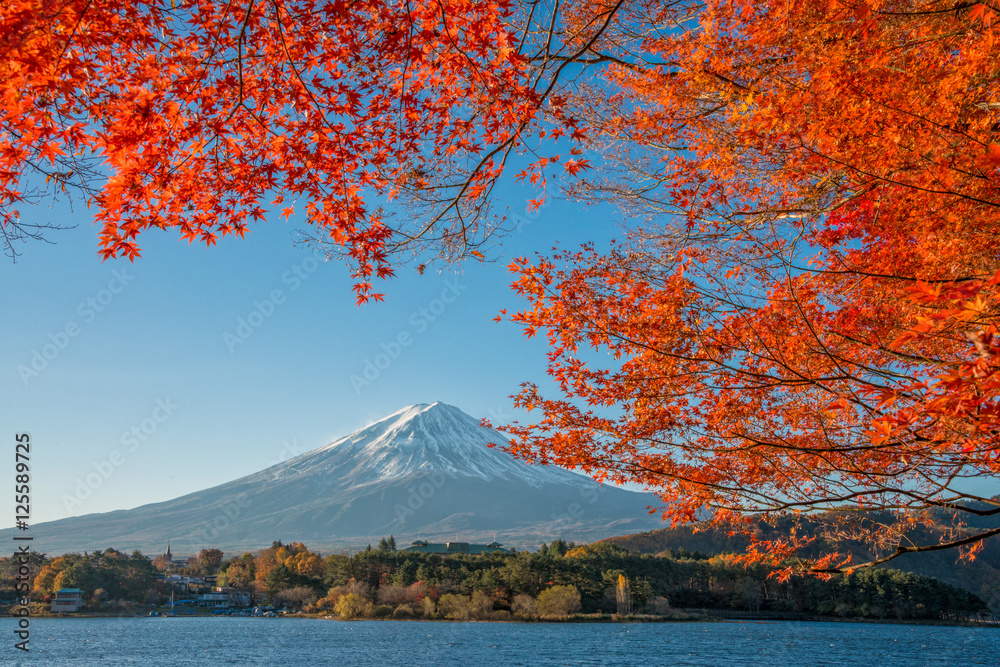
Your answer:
<point x="239" y="59"/>
<point x="890" y="276"/>
<point x="14" y="232"/>
<point x="902" y="356"/>
<point x="506" y="146"/>
<point x="72" y="34"/>
<point x="598" y="59"/>
<point x="900" y="550"/>
<point x="911" y="186"/>
<point x="527" y="25"/>
<point x="957" y="7"/>
<point x="551" y="30"/>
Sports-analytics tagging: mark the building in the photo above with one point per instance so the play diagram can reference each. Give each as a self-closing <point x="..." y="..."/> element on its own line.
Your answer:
<point x="235" y="598"/>
<point x="67" y="600"/>
<point x="448" y="548"/>
<point x="175" y="562"/>
<point x="185" y="582"/>
<point x="214" y="600"/>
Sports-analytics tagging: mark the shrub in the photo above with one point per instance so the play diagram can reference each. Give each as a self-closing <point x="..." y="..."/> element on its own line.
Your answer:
<point x="523" y="605"/>
<point x="296" y="597"/>
<point x="396" y="595"/>
<point x="418" y="590"/>
<point x="558" y="601"/>
<point x="659" y="605"/>
<point x="428" y="607"/>
<point x="352" y="605"/>
<point x="481" y="606"/>
<point x="382" y="611"/>
<point x="455" y="607"/>
<point x="352" y="587"/>
<point x="358" y="588"/>
<point x="403" y="611"/>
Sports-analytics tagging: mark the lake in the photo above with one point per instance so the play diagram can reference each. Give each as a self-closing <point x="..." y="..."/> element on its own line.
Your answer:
<point x="235" y="641"/>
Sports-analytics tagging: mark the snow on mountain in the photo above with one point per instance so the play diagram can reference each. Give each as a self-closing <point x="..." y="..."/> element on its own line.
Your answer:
<point x="424" y="471"/>
<point x="421" y="438"/>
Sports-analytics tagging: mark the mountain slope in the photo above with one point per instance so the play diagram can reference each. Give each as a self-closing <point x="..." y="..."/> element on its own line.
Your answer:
<point x="424" y="471"/>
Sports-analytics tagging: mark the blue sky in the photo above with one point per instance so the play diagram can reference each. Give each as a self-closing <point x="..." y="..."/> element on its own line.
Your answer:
<point x="140" y="382"/>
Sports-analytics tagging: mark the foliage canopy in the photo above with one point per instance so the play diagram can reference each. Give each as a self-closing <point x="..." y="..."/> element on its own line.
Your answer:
<point x="803" y="320"/>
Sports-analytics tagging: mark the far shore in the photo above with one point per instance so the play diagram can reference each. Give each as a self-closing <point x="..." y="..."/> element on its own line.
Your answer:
<point x="680" y="616"/>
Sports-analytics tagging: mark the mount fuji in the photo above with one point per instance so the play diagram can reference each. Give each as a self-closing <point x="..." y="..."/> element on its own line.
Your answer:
<point x="422" y="472"/>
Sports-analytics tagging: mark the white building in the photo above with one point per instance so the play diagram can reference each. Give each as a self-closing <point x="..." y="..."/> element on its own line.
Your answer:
<point x="67" y="600"/>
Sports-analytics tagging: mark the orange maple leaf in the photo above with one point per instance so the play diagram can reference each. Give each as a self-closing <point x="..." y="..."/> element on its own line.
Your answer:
<point x="990" y="160"/>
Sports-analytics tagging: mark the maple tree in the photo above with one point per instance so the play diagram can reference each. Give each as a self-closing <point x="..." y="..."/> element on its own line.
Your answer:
<point x="203" y="117"/>
<point x="200" y="117"/>
<point x="806" y="320"/>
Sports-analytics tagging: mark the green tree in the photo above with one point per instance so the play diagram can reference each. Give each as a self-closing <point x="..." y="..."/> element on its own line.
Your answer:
<point x="336" y="570"/>
<point x="278" y="579"/>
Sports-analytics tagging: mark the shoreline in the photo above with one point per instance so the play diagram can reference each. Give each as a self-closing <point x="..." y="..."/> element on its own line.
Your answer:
<point x="689" y="616"/>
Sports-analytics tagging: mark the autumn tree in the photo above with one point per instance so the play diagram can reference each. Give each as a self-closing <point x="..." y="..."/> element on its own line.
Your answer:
<point x="803" y="317"/>
<point x="162" y="563"/>
<point x="805" y="322"/>
<point x="351" y="605"/>
<point x="268" y="559"/>
<point x="240" y="573"/>
<point x="45" y="580"/>
<point x="117" y="575"/>
<point x="307" y="564"/>
<point x="623" y="596"/>
<point x="202" y="118"/>
<point x="209" y="560"/>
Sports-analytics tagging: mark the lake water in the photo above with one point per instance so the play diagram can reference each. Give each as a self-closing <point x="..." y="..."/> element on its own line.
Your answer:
<point x="240" y="641"/>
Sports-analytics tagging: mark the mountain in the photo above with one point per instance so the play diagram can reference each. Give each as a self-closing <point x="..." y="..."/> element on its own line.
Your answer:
<point x="423" y="472"/>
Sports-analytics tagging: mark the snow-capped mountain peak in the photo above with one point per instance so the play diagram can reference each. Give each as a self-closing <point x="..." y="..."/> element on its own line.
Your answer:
<point x="424" y="438"/>
<point x="425" y="470"/>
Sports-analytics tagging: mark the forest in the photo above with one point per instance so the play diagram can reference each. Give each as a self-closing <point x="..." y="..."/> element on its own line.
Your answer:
<point x="980" y="575"/>
<point x="556" y="581"/>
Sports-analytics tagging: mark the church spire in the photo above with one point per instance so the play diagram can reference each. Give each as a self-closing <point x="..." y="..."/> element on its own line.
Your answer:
<point x="168" y="551"/>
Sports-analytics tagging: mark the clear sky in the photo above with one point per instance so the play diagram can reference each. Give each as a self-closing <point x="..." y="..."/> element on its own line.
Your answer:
<point x="140" y="382"/>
